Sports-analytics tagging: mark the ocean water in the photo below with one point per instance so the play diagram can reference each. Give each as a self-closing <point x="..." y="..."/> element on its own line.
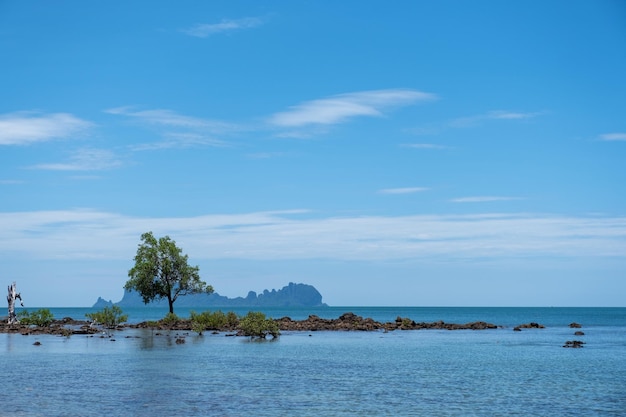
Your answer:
<point x="401" y="373"/>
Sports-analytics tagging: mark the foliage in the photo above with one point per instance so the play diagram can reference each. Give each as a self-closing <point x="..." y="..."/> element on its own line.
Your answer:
<point x="109" y="317"/>
<point x="41" y="318"/>
<point x="215" y="320"/>
<point x="161" y="271"/>
<point x="255" y="324"/>
<point x="170" y="319"/>
<point x="232" y="319"/>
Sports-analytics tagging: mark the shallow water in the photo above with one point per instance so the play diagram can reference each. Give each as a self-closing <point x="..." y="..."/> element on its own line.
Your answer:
<point x="400" y="373"/>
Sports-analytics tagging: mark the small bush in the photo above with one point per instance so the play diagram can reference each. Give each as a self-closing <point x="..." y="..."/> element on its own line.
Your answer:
<point x="109" y="317"/>
<point x="255" y="324"/>
<point x="232" y="319"/>
<point x="170" y="319"/>
<point x="41" y="318"/>
<point x="208" y="320"/>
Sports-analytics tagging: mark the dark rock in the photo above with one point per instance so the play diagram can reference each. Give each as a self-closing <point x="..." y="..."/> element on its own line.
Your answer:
<point x="575" y="325"/>
<point x="579" y="333"/>
<point x="573" y="344"/>
<point x="531" y="325"/>
<point x="37" y="343"/>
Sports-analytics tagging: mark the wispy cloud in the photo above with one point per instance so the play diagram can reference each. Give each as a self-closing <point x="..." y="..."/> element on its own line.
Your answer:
<point x="492" y="115"/>
<point x="87" y="159"/>
<point x="340" y="108"/>
<point x="25" y="128"/>
<point x="170" y="118"/>
<point x="179" y="140"/>
<point x="613" y="136"/>
<point x="177" y="130"/>
<point x="75" y="234"/>
<point x="204" y="30"/>
<point x="405" y="190"/>
<point x="483" y="199"/>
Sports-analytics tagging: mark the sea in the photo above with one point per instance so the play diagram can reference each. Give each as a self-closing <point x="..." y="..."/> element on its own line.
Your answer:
<point x="498" y="372"/>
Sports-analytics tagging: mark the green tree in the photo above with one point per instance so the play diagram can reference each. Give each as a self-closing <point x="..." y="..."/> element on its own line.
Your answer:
<point x="161" y="271"/>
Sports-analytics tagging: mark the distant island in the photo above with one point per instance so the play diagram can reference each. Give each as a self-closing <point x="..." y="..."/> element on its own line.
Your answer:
<point x="292" y="295"/>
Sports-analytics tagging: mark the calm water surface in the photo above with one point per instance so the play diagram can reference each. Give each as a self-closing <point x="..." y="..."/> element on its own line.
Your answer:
<point x="401" y="373"/>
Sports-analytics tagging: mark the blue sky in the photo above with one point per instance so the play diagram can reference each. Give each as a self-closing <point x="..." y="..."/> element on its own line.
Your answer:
<point x="408" y="153"/>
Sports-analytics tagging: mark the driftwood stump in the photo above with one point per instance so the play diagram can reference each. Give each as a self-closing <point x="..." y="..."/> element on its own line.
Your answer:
<point x="13" y="295"/>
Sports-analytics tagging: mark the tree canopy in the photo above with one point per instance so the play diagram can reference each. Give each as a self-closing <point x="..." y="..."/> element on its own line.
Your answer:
<point x="162" y="271"/>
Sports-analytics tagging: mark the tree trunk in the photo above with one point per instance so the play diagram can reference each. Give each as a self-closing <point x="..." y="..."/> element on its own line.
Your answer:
<point x="13" y="295"/>
<point x="170" y="301"/>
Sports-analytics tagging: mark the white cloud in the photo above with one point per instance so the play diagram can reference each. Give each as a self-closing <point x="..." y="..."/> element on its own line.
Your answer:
<point x="24" y="128"/>
<point x="76" y="234"/>
<point x="179" y="140"/>
<point x="177" y="130"/>
<point x="339" y="108"/>
<point x="406" y="190"/>
<point x="470" y="121"/>
<point x="204" y="30"/>
<point x="170" y="118"/>
<point x="482" y="199"/>
<point x="613" y="136"/>
<point x="87" y="159"/>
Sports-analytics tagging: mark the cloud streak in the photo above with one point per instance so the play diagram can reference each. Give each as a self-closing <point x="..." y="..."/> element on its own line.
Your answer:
<point x="177" y="130"/>
<point x="613" y="137"/>
<point x="24" y="128"/>
<point x="204" y="30"/>
<point x="492" y="115"/>
<point x="340" y="108"/>
<point x="406" y="190"/>
<point x="87" y="234"/>
<point x="87" y="159"/>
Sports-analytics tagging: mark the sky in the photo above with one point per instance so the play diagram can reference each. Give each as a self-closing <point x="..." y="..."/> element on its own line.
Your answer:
<point x="409" y="153"/>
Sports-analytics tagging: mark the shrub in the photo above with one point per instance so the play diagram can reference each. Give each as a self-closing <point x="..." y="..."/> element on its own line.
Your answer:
<point x="255" y="324"/>
<point x="109" y="317"/>
<point x="41" y="318"/>
<point x="208" y="321"/>
<point x="232" y="320"/>
<point x="170" y="319"/>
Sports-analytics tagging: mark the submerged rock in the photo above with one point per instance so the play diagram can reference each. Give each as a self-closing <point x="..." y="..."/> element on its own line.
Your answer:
<point x="531" y="325"/>
<point x="574" y="344"/>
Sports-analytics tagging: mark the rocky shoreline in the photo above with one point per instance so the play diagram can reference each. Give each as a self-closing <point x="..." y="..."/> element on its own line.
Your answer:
<point x="346" y="322"/>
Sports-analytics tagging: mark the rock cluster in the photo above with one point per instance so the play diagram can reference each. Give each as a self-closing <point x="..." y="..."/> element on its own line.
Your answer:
<point x="64" y="327"/>
<point x="350" y="321"/>
<point x="531" y="325"/>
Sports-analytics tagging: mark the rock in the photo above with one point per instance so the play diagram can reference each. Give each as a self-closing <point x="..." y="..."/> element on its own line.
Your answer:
<point x="531" y="325"/>
<point x="579" y="333"/>
<point x="517" y="329"/>
<point x="575" y="325"/>
<point x="37" y="343"/>
<point x="180" y="341"/>
<point x="573" y="344"/>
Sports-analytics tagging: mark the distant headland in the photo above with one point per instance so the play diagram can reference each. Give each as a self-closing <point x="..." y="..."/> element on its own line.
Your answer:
<point x="292" y="295"/>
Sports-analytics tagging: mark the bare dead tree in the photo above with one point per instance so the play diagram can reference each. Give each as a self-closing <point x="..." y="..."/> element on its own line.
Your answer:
<point x="13" y="295"/>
